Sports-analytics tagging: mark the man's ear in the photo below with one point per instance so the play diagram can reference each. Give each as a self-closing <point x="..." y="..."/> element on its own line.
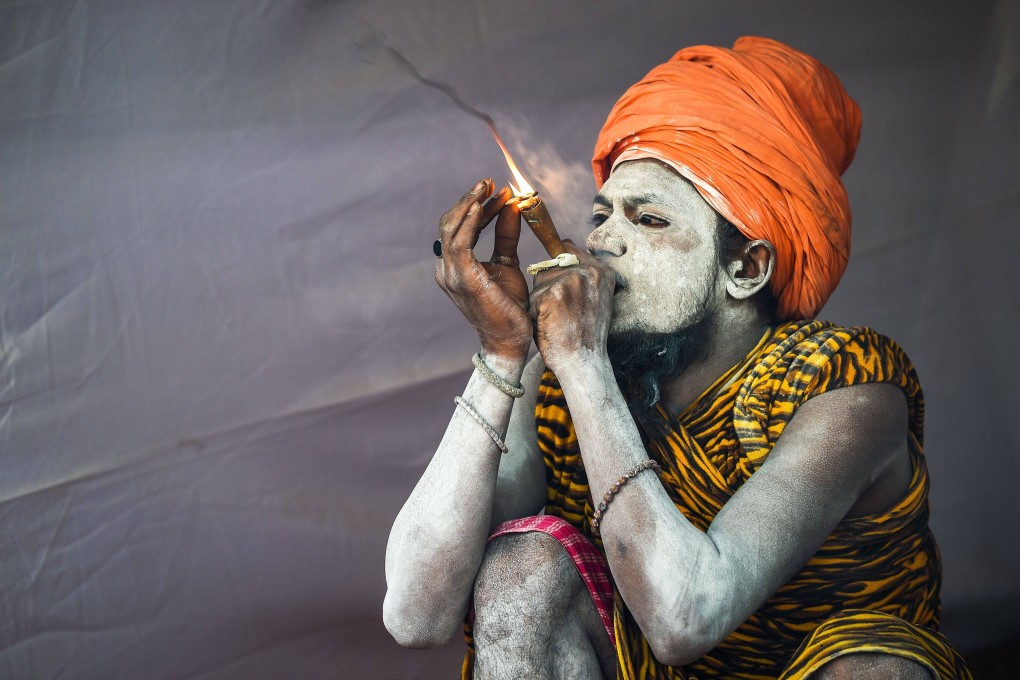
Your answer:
<point x="749" y="273"/>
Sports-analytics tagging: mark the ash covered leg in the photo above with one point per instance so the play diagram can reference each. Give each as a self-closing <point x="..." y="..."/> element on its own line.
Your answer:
<point x="534" y="618"/>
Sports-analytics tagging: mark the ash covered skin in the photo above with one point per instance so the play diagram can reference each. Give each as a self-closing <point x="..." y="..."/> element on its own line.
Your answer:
<point x="661" y="317"/>
<point x="653" y="273"/>
<point x="663" y="241"/>
<point x="659" y="235"/>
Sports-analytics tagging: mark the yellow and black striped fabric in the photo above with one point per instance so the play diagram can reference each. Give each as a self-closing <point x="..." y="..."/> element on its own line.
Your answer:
<point x="878" y="568"/>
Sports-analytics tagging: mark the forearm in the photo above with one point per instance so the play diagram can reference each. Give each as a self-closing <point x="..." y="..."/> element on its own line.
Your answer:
<point x="669" y="572"/>
<point x="437" y="541"/>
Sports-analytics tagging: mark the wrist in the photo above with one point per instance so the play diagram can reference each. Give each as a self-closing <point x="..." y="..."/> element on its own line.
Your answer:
<point x="507" y="365"/>
<point x="583" y="368"/>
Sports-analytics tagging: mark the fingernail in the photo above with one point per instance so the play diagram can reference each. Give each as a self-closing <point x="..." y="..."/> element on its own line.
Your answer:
<point x="478" y="187"/>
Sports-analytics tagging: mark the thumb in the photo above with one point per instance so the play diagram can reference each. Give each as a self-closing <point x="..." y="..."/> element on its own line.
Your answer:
<point x="570" y="247"/>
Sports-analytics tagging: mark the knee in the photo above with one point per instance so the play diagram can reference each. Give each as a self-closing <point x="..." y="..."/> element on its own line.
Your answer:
<point x="872" y="666"/>
<point x="527" y="573"/>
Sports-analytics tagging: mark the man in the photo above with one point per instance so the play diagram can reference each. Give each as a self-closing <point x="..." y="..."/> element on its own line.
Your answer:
<point x="729" y="490"/>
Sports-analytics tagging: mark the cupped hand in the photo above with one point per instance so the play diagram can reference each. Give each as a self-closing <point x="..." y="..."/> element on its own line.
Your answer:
<point x="572" y="308"/>
<point x="493" y="295"/>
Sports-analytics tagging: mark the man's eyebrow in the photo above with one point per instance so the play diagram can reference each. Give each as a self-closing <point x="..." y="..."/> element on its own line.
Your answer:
<point x="642" y="199"/>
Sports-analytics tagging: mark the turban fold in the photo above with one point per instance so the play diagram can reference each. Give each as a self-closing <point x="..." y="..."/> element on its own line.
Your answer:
<point x="764" y="133"/>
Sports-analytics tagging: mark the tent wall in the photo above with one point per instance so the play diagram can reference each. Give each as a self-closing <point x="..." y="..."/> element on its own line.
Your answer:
<point x="224" y="362"/>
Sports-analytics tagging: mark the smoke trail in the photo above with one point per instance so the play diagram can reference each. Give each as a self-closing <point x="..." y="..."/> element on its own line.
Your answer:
<point x="445" y="88"/>
<point x="567" y="186"/>
<point x="405" y="64"/>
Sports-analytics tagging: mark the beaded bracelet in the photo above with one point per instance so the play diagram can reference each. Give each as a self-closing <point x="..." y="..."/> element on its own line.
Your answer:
<point x="596" y="517"/>
<point x="505" y="387"/>
<point x="481" y="421"/>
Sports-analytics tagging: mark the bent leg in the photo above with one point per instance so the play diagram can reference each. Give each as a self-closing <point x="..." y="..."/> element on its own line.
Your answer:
<point x="863" y="644"/>
<point x="872" y="666"/>
<point x="534" y="617"/>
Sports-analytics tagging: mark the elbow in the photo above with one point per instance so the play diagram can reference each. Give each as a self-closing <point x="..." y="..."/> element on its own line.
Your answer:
<point x="414" y="636"/>
<point x="679" y="648"/>
<point x="682" y="639"/>
<point x="412" y="627"/>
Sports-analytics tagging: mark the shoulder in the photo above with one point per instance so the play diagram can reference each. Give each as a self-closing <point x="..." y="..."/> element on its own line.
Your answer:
<point x="808" y="359"/>
<point x="817" y="356"/>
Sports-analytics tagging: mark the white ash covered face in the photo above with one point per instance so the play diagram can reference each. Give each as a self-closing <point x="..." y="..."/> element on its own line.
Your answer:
<point x="661" y="237"/>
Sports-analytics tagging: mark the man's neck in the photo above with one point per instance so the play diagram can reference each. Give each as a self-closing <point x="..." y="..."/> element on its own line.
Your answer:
<point x="731" y="339"/>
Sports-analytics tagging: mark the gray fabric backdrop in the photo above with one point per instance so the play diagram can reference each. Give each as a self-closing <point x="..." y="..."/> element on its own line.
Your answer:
<point x="225" y="362"/>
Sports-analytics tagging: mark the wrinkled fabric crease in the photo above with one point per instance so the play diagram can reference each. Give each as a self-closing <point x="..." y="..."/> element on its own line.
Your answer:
<point x="224" y="361"/>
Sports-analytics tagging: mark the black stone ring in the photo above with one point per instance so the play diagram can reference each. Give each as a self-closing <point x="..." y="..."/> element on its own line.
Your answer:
<point x="437" y="247"/>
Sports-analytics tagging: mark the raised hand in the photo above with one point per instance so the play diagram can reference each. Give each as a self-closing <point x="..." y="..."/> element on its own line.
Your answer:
<point x="493" y="295"/>
<point x="572" y="307"/>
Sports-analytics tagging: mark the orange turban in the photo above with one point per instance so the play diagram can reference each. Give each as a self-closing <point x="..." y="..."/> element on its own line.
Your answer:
<point x="764" y="133"/>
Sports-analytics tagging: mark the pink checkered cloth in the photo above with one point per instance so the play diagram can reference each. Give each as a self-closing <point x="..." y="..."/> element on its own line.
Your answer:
<point x="590" y="563"/>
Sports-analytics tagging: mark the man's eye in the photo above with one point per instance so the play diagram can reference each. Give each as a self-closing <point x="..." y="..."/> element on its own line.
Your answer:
<point x="652" y="221"/>
<point x="598" y="218"/>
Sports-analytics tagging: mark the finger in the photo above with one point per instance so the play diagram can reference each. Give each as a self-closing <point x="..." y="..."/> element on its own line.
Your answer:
<point x="495" y="204"/>
<point x="456" y="251"/>
<point x="533" y="313"/>
<point x="538" y="301"/>
<point x="586" y="259"/>
<point x="440" y="272"/>
<point x="544" y="280"/>
<point x="451" y="221"/>
<point x="570" y="247"/>
<point x="508" y="233"/>
<point x="489" y="210"/>
<point x="464" y="238"/>
<point x="583" y="256"/>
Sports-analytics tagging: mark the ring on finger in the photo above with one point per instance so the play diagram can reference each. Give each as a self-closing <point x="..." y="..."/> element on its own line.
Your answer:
<point x="561" y="260"/>
<point x="505" y="260"/>
<point x="437" y="247"/>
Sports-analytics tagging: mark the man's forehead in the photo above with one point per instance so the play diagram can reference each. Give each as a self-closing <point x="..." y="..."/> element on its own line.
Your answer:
<point x="646" y="181"/>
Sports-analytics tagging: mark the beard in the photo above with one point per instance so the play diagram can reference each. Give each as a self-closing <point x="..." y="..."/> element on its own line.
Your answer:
<point x="641" y="360"/>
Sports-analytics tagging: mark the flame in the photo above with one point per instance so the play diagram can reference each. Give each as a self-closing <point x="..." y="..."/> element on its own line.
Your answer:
<point x="522" y="188"/>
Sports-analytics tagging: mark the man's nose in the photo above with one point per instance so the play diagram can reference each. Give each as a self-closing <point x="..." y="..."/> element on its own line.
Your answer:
<point x="605" y="241"/>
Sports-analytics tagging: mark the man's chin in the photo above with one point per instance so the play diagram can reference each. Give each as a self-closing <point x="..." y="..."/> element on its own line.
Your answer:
<point x="623" y="326"/>
<point x="641" y="358"/>
<point x="622" y="323"/>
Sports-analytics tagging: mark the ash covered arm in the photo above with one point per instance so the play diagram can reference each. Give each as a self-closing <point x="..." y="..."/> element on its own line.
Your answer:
<point x="438" y="538"/>
<point x="689" y="589"/>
